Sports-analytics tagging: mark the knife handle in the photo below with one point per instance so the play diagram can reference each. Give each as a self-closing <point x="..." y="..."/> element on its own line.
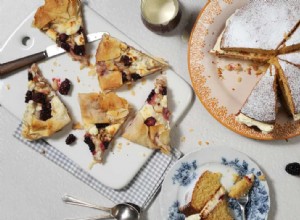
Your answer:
<point x="19" y="63"/>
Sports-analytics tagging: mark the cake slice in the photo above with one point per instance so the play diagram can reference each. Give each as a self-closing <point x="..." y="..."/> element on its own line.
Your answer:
<point x="102" y="115"/>
<point x="45" y="113"/>
<point x="242" y="187"/>
<point x="293" y="58"/>
<point x="289" y="82"/>
<point x="118" y="63"/>
<point x="260" y="26"/>
<point x="150" y="126"/>
<point x="259" y="110"/>
<point x="292" y="43"/>
<point x="62" y="21"/>
<point x="208" y="199"/>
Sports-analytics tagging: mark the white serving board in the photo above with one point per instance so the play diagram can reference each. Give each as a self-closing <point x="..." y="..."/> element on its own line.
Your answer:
<point x="125" y="159"/>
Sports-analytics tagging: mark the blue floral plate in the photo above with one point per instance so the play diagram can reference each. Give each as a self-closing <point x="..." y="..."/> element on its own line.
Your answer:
<point x="179" y="183"/>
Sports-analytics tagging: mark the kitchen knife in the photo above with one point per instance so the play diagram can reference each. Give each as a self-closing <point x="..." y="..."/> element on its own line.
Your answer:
<point x="50" y="51"/>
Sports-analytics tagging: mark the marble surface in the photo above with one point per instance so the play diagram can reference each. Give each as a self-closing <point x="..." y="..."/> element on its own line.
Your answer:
<point x="31" y="186"/>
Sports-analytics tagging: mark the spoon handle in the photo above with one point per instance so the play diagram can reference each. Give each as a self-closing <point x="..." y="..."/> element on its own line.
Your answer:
<point x="73" y="201"/>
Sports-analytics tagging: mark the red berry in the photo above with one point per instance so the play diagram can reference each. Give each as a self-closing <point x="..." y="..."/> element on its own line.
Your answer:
<point x="150" y="121"/>
<point x="65" y="87"/>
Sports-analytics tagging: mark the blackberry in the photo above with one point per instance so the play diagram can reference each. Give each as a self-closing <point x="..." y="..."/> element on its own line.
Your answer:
<point x="30" y="76"/>
<point x="126" y="60"/>
<point x="101" y="125"/>
<point x="293" y="169"/>
<point x="135" y="76"/>
<point x="79" y="50"/>
<point x="164" y="90"/>
<point x="150" y="121"/>
<point x="90" y="143"/>
<point x="65" y="87"/>
<point x="45" y="113"/>
<point x="28" y="96"/>
<point x="39" y="97"/>
<point x="150" y="96"/>
<point x="65" y="46"/>
<point x="63" y="37"/>
<point x="70" y="139"/>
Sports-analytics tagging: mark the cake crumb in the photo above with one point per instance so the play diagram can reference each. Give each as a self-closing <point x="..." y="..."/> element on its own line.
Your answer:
<point x="239" y="79"/>
<point x="249" y="71"/>
<point x="55" y="63"/>
<point x="182" y="139"/>
<point x="233" y="89"/>
<point x="220" y="73"/>
<point x="206" y="142"/>
<point x="191" y="130"/>
<point x="132" y="92"/>
<point x="143" y="81"/>
<point x="77" y="126"/>
<point x="78" y="79"/>
<point x="92" y="72"/>
<point x="262" y="177"/>
<point x="7" y="86"/>
<point x="200" y="142"/>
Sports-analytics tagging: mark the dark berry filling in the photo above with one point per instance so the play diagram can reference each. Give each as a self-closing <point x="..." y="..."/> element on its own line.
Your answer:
<point x="65" y="87"/>
<point x="150" y="121"/>
<point x="101" y="125"/>
<point x="124" y="77"/>
<point x="39" y="97"/>
<point x="65" y="46"/>
<point x="150" y="96"/>
<point x="90" y="143"/>
<point x="166" y="113"/>
<point x="126" y="60"/>
<point x="80" y="30"/>
<point x="163" y="90"/>
<point x="293" y="169"/>
<point x="45" y="113"/>
<point x="30" y="76"/>
<point x="105" y="143"/>
<point x="70" y="139"/>
<point x="28" y="96"/>
<point x="63" y="37"/>
<point x="135" y="76"/>
<point x="79" y="50"/>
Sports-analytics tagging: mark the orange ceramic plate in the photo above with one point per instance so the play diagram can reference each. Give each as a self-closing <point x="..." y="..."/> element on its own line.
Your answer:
<point x="223" y="85"/>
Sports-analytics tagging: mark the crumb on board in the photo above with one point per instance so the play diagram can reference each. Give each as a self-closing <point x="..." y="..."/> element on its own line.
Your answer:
<point x="78" y="79"/>
<point x="132" y="92"/>
<point x="191" y="129"/>
<point x="144" y="155"/>
<point x="220" y="73"/>
<point x="233" y="89"/>
<point x="234" y="67"/>
<point x="206" y="142"/>
<point x="200" y="142"/>
<point x="92" y="72"/>
<point x="239" y="79"/>
<point x="182" y="139"/>
<point x="7" y="86"/>
<point x="55" y="63"/>
<point x="77" y="126"/>
<point x="143" y="80"/>
<point x="249" y="70"/>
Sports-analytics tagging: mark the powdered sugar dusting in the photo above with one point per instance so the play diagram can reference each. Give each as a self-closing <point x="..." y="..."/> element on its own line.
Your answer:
<point x="292" y="74"/>
<point x="261" y="24"/>
<point x="291" y="57"/>
<point x="261" y="103"/>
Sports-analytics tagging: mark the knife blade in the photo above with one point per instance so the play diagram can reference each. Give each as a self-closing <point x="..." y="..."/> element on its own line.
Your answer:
<point x="50" y="51"/>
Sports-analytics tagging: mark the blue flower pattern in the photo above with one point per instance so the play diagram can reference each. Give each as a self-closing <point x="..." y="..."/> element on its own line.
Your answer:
<point x="258" y="205"/>
<point x="185" y="174"/>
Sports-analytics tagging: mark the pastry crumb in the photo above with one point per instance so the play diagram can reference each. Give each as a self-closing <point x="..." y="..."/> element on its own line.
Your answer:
<point x="92" y="72"/>
<point x="191" y="130"/>
<point x="55" y="63"/>
<point x="182" y="139"/>
<point x="77" y="126"/>
<point x="7" y="86"/>
<point x="206" y="142"/>
<point x="233" y="89"/>
<point x="143" y="81"/>
<point x="78" y="79"/>
<point x="200" y="142"/>
<point x="239" y="79"/>
<point x="220" y="73"/>
<point x="132" y="92"/>
<point x="262" y="177"/>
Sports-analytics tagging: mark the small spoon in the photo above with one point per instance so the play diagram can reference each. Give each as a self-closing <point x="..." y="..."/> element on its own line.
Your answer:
<point x="122" y="211"/>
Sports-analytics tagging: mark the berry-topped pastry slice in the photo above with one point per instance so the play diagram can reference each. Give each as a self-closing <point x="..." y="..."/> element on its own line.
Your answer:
<point x="62" y="21"/>
<point x="45" y="113"/>
<point x="150" y="126"/>
<point x="119" y="63"/>
<point x="102" y="115"/>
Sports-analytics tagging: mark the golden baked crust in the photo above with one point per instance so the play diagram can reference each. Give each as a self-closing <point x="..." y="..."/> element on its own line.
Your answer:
<point x="119" y="63"/>
<point x="157" y="134"/>
<point x="33" y="127"/>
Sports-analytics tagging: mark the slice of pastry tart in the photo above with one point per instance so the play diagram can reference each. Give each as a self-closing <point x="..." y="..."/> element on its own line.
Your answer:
<point x="118" y="63"/>
<point x="62" y="21"/>
<point x="260" y="108"/>
<point x="45" y="114"/>
<point x="102" y="115"/>
<point x="150" y="126"/>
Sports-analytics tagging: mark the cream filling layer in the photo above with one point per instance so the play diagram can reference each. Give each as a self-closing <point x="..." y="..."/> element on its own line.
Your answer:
<point x="264" y="127"/>
<point x="210" y="205"/>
